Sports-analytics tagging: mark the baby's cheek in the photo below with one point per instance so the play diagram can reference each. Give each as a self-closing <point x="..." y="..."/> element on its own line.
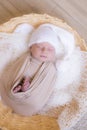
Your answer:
<point x="37" y="53"/>
<point x="52" y="57"/>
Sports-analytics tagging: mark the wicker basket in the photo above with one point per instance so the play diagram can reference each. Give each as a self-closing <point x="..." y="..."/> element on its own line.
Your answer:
<point x="12" y="121"/>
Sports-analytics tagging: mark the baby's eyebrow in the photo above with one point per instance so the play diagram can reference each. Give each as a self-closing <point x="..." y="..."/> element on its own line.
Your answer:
<point x="38" y="45"/>
<point x="49" y="47"/>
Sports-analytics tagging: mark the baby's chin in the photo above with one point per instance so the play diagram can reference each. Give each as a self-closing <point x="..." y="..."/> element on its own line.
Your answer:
<point x="45" y="59"/>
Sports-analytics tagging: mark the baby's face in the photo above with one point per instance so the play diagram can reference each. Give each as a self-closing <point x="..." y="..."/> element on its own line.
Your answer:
<point x="43" y="52"/>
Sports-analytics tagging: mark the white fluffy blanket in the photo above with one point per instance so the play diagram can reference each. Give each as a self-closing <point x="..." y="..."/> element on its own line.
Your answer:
<point x="69" y="72"/>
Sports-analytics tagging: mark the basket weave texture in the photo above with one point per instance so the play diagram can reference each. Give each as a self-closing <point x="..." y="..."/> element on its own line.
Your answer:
<point x="10" y="120"/>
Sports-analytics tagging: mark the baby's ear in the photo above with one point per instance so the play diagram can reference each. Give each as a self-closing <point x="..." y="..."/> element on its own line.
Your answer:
<point x="29" y="49"/>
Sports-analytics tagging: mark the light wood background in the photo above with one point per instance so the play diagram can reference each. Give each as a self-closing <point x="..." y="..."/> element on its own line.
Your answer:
<point x="74" y="12"/>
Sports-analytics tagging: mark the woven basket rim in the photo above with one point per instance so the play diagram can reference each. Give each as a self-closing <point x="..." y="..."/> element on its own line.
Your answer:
<point x="37" y="19"/>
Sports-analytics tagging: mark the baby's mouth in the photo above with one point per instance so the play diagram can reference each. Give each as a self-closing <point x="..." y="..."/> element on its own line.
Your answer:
<point x="42" y="56"/>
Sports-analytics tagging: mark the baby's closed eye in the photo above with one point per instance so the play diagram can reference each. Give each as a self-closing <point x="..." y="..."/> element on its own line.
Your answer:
<point x="51" y="49"/>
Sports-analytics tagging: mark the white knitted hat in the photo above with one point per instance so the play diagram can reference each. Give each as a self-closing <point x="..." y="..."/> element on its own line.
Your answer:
<point x="46" y="34"/>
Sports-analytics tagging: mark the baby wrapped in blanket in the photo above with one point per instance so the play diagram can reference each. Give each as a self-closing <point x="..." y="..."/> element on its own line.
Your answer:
<point x="30" y="81"/>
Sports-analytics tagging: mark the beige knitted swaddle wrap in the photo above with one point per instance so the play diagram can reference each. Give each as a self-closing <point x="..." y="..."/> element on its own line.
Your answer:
<point x="40" y="89"/>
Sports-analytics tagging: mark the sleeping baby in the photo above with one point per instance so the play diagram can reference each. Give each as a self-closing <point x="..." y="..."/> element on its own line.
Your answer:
<point x="31" y="78"/>
<point x="43" y="52"/>
<point x="43" y="48"/>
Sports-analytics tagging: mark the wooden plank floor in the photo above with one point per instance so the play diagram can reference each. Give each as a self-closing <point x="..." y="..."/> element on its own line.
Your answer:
<point x="74" y="12"/>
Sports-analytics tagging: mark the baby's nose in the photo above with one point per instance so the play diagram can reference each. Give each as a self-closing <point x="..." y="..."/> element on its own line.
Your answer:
<point x="43" y="49"/>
